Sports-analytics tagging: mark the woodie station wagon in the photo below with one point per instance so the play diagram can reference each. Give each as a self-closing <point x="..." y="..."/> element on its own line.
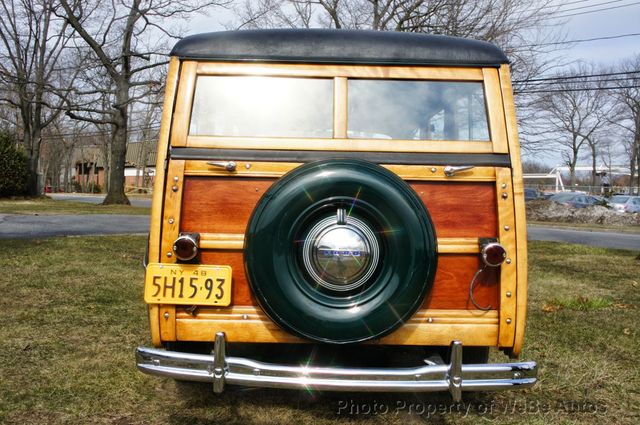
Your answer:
<point x="338" y="189"/>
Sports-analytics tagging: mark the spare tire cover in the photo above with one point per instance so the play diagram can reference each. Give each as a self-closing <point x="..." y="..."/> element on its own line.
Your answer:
<point x="340" y="251"/>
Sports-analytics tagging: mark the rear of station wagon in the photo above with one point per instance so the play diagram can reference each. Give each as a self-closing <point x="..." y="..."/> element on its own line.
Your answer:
<point x="339" y="188"/>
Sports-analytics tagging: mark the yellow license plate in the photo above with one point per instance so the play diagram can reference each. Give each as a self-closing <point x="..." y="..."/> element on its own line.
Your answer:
<point x="191" y="284"/>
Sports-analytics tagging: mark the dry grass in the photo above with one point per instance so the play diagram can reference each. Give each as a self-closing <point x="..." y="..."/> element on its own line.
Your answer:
<point x="72" y="314"/>
<point x="44" y="205"/>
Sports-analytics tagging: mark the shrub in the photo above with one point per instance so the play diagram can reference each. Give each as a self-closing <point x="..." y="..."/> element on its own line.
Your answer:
<point x="14" y="167"/>
<point x="94" y="188"/>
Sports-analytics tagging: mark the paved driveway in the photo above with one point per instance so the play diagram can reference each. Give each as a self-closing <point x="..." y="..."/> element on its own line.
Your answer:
<point x="136" y="201"/>
<point x="585" y="237"/>
<point x="38" y="226"/>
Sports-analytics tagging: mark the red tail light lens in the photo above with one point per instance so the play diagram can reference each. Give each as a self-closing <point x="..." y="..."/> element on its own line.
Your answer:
<point x="493" y="254"/>
<point x="186" y="246"/>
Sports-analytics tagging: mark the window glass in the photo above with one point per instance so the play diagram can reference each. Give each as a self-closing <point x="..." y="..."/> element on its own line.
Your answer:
<point x="417" y="110"/>
<point x="262" y="107"/>
<point x="619" y="199"/>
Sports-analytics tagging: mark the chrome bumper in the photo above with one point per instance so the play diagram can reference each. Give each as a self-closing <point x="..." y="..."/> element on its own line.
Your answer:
<point x="220" y="370"/>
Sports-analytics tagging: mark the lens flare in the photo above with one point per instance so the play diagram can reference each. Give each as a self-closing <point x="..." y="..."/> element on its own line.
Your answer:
<point x="353" y="203"/>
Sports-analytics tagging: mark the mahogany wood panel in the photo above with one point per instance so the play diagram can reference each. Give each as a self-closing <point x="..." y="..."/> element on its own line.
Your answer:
<point x="460" y="210"/>
<point x="450" y="288"/>
<point x="240" y="286"/>
<point x="220" y="204"/>
<point x="224" y="205"/>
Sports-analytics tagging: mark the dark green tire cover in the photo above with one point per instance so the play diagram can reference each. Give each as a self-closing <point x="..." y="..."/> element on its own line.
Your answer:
<point x="393" y="286"/>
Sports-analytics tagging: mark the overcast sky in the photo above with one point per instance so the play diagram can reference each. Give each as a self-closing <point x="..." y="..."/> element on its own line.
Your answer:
<point x="624" y="19"/>
<point x="592" y="19"/>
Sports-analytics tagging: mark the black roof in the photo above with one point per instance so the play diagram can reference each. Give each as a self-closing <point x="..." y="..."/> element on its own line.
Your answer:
<point x="338" y="46"/>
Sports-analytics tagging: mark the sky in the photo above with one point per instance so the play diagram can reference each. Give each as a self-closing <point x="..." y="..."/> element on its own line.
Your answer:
<point x="592" y="19"/>
<point x="624" y="19"/>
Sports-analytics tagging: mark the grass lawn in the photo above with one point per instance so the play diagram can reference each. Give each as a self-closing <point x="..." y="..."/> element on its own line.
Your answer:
<point x="72" y="314"/>
<point x="44" y="205"/>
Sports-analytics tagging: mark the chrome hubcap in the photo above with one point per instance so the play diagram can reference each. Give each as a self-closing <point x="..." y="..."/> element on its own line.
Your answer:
<point x="340" y="253"/>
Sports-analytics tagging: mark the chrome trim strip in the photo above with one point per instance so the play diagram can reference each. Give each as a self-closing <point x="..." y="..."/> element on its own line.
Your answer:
<point x="220" y="370"/>
<point x="273" y="155"/>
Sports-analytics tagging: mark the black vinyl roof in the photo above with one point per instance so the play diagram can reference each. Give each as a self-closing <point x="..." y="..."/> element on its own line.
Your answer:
<point x="339" y="47"/>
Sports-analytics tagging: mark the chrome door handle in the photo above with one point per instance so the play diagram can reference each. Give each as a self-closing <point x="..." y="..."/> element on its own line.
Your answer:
<point x="451" y="171"/>
<point x="228" y="165"/>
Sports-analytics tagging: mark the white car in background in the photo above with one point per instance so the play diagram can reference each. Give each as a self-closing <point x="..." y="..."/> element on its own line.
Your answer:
<point x="625" y="203"/>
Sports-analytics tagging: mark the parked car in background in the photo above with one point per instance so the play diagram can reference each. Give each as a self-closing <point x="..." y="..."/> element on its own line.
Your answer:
<point x="531" y="194"/>
<point x="577" y="200"/>
<point x="547" y="195"/>
<point x="625" y="203"/>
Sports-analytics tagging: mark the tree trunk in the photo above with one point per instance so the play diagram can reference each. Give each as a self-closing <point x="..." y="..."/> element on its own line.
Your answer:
<point x="115" y="194"/>
<point x="30" y="140"/>
<point x="593" y="164"/>
<point x="633" y="169"/>
<point x="572" y="168"/>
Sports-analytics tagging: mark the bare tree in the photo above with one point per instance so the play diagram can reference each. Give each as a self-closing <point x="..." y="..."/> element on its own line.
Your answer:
<point x="522" y="28"/>
<point x="534" y="167"/>
<point x="574" y="111"/>
<point x="627" y="115"/>
<point x="119" y="36"/>
<point x="32" y="42"/>
<point x="148" y="124"/>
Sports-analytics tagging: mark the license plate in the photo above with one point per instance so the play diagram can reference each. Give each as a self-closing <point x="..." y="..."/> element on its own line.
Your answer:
<point x="191" y="284"/>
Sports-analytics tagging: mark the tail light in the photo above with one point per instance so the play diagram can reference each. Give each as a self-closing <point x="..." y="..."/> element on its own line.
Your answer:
<point x="186" y="246"/>
<point x="493" y="254"/>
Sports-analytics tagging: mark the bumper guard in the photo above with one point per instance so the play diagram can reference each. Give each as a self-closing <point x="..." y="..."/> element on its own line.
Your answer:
<point x="220" y="370"/>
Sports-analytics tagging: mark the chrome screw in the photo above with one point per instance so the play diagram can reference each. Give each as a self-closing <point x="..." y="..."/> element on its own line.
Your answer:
<point x="169" y="254"/>
<point x="171" y="221"/>
<point x="176" y="179"/>
<point x="174" y="188"/>
<point x="247" y="166"/>
<point x="245" y="317"/>
<point x="508" y="321"/>
<point x="504" y="195"/>
<point x="503" y="185"/>
<point x="508" y="294"/>
<point x="166" y="316"/>
<point x="434" y="169"/>
<point x="508" y="261"/>
<point x="430" y="320"/>
<point x="507" y="228"/>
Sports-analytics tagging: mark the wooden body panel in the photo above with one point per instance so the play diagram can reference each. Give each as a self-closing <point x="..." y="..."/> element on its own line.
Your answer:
<point x="520" y="313"/>
<point x="450" y="288"/>
<point x="224" y="205"/>
<point x="426" y="327"/>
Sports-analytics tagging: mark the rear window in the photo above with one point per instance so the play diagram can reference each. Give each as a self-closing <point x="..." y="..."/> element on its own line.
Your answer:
<point x="417" y="110"/>
<point x="298" y="107"/>
<point x="262" y="107"/>
<point x="564" y="197"/>
<point x="619" y="199"/>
